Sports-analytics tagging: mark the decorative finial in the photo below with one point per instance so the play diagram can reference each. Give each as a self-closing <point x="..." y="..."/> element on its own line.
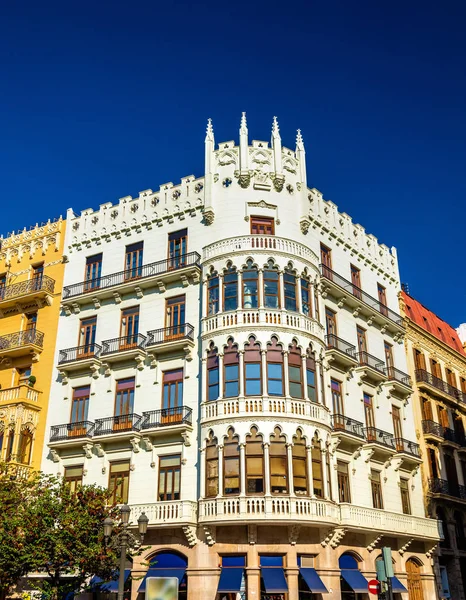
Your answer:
<point x="299" y="141"/>
<point x="244" y="125"/>
<point x="275" y="128"/>
<point x="209" y="131"/>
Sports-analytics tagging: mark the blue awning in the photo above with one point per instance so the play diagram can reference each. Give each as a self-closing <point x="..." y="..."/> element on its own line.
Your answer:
<point x="314" y="582"/>
<point x="355" y="579"/>
<point x="167" y="573"/>
<point x="230" y="579"/>
<point x="398" y="587"/>
<point x="108" y="586"/>
<point x="274" y="580"/>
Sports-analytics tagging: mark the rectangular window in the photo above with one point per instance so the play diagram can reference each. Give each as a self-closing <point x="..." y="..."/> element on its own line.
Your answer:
<point x="426" y="407"/>
<point x="271" y="289"/>
<point x="212" y="295"/>
<point x="253" y="379"/>
<point x="74" y="477"/>
<point x="118" y="481"/>
<point x="275" y="379"/>
<point x="331" y="324"/>
<point x="231" y="381"/>
<point x="306" y="301"/>
<point x="169" y="477"/>
<point x="435" y="368"/>
<point x="93" y="272"/>
<point x="230" y="290"/>
<point x="369" y="417"/>
<point x="172" y="391"/>
<point x="87" y="329"/>
<point x="211" y="470"/>
<point x="231" y="467"/>
<point x="405" y="502"/>
<point x="254" y="466"/>
<point x="388" y="348"/>
<point x="463" y="386"/>
<point x="177" y="248"/>
<point x="376" y="488"/>
<point x="451" y="377"/>
<point x="326" y="260"/>
<point x="133" y="261"/>
<point x="213" y="389"/>
<point x="381" y="293"/>
<point x="278" y="468"/>
<point x="295" y="375"/>
<point x="337" y="398"/>
<point x="31" y="321"/>
<point x="23" y="374"/>
<point x="432" y="463"/>
<point x="262" y="226"/>
<point x="343" y="482"/>
<point x="419" y="360"/>
<point x="129" y="327"/>
<point x="289" y="282"/>
<point x="124" y="401"/>
<point x="361" y="335"/>
<point x="316" y="303"/>
<point x="397" y="430"/>
<point x="250" y="296"/>
<point x="311" y="378"/>
<point x="175" y="314"/>
<point x="356" y="281"/>
<point x="37" y="275"/>
<point x="317" y="473"/>
<point x="80" y="404"/>
<point x="443" y="416"/>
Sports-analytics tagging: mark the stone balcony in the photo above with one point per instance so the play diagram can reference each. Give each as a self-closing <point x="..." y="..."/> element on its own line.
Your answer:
<point x="266" y="244"/>
<point x="20" y="394"/>
<point x="166" y="514"/>
<point x="264" y="406"/>
<point x="278" y="319"/>
<point x="282" y="509"/>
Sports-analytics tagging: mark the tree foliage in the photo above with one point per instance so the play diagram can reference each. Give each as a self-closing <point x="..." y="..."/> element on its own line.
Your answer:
<point x="46" y="527"/>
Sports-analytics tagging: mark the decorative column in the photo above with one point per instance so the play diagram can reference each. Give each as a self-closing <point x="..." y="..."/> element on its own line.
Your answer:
<point x="220" y="375"/>
<point x="220" y="293"/>
<point x="299" y="302"/>
<point x="220" y="471"/>
<point x="205" y="295"/>
<point x="267" y="468"/>
<point x="260" y="288"/>
<point x="202" y="470"/>
<point x="292" y="574"/>
<point x="240" y="289"/>
<point x="265" y="389"/>
<point x="289" y="456"/>
<point x="241" y="373"/>
<point x="242" y="468"/>
<point x="281" y="290"/>
<point x="310" y="478"/>
<point x="320" y="381"/>
<point x="286" y="374"/>
<point x="323" y="454"/>
<point x="304" y="370"/>
<point x="204" y="393"/>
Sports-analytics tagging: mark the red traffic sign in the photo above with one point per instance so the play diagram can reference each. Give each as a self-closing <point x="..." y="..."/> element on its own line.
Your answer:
<point x="374" y="586"/>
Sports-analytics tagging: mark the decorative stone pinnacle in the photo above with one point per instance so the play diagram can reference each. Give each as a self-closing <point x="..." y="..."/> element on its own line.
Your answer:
<point x="299" y="140"/>
<point x="244" y="125"/>
<point x="275" y="128"/>
<point x="210" y="131"/>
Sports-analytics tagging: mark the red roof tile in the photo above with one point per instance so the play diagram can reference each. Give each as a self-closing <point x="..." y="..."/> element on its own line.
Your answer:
<point x="429" y="321"/>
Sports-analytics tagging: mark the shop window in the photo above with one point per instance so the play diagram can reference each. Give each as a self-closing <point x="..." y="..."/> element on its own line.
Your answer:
<point x="254" y="463"/>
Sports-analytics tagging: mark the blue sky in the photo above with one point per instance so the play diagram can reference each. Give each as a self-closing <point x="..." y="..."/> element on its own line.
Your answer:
<point x="100" y="100"/>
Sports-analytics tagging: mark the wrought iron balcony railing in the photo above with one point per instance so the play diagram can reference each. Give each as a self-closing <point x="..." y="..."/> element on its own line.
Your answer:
<point x="107" y="281"/>
<point x="124" y="343"/>
<point x="343" y="423"/>
<point x="377" y="436"/>
<point x="68" y="431"/>
<point x="109" y="425"/>
<point x="336" y="343"/>
<point x="10" y="341"/>
<point x="361" y="295"/>
<point x="176" y="415"/>
<point x="367" y="360"/>
<point x="79" y="353"/>
<point x="170" y="334"/>
<point x="397" y="375"/>
<point x="450" y="488"/>
<point x="433" y="428"/>
<point x="443" y="386"/>
<point x="407" y="447"/>
<point x="24" y="288"/>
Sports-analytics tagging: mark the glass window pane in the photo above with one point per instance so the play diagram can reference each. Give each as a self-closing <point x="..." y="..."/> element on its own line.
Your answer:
<point x="231" y="372"/>
<point x="274" y="371"/>
<point x="170" y="461"/>
<point x="295" y="390"/>
<point x="212" y="468"/>
<point x="275" y="388"/>
<point x="254" y="465"/>
<point x="231" y="467"/>
<point x="231" y="389"/>
<point x="213" y="376"/>
<point x="253" y="388"/>
<point x="176" y="484"/>
<point x="299" y="468"/>
<point x="253" y="370"/>
<point x="278" y="465"/>
<point x="213" y="392"/>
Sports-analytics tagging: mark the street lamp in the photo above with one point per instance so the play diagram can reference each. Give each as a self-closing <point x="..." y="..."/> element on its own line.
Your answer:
<point x="125" y="539"/>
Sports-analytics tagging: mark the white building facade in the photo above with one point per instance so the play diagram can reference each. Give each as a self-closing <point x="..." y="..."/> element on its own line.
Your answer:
<point x="230" y="362"/>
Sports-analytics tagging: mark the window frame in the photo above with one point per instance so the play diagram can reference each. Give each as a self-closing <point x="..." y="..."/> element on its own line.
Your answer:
<point x="266" y="222"/>
<point x="232" y="440"/>
<point x="165" y="471"/>
<point x="113" y="477"/>
<point x="254" y="439"/>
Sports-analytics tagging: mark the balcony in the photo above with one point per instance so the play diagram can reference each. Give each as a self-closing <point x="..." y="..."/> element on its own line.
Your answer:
<point x="20" y="394"/>
<point x="348" y="431"/>
<point x="22" y="343"/>
<point x="16" y="468"/>
<point x="447" y="488"/>
<point x="37" y="289"/>
<point x="433" y="432"/>
<point x="171" y="339"/>
<point x="340" y="353"/>
<point x="264" y="406"/>
<point x="80" y="358"/>
<point x="409" y="451"/>
<point x="362" y="518"/>
<point x="262" y="317"/>
<point x="438" y="387"/>
<point x="128" y="347"/>
<point x="135" y="280"/>
<point x="371" y="368"/>
<point x="361" y="303"/>
<point x="122" y="426"/>
<point x="178" y="417"/>
<point x="381" y="442"/>
<point x="268" y="509"/>
<point x="263" y="244"/>
<point x="166" y="514"/>
<point x="71" y="434"/>
<point x="399" y="382"/>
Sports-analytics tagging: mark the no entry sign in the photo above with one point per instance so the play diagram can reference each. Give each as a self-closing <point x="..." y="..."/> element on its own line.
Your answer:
<point x="374" y="586"/>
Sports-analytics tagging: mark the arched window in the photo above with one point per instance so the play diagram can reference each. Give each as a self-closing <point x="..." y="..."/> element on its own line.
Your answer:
<point x="211" y="460"/>
<point x="459" y="531"/>
<point x="230" y="289"/>
<point x="306" y="296"/>
<point x="10" y="444"/>
<point x="275" y="368"/>
<point x="231" y="370"/>
<point x="250" y="279"/>
<point x="231" y="464"/>
<point x="25" y="446"/>
<point x="254" y="463"/>
<point x="311" y="376"/>
<point x="289" y="286"/>
<point x="212" y="294"/>
<point x="295" y="371"/>
<point x="212" y="374"/>
<point x="317" y="468"/>
<point x="445" y="543"/>
<point x="278" y="463"/>
<point x="271" y="286"/>
<point x="350" y="576"/>
<point x="299" y="454"/>
<point x="252" y="368"/>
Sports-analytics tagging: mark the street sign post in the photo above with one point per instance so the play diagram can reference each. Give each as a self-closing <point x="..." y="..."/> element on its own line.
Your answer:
<point x="374" y="586"/>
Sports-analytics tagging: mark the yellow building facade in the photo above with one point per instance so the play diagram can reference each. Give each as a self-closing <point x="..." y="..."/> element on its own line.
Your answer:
<point x="31" y="281"/>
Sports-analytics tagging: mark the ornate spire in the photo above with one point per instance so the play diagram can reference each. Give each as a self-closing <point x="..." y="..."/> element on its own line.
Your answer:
<point x="275" y="128"/>
<point x="244" y="126"/>
<point x="243" y="151"/>
<point x="209" y="132"/>
<point x="299" y="141"/>
<point x="276" y="144"/>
